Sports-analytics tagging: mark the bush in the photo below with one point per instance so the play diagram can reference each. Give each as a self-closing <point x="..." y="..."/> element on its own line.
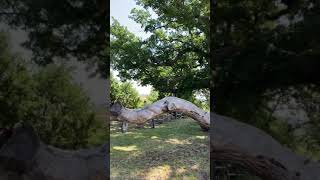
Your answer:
<point x="125" y="93"/>
<point x="48" y="99"/>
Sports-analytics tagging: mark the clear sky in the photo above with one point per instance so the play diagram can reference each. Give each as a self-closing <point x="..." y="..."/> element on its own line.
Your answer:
<point x="120" y="10"/>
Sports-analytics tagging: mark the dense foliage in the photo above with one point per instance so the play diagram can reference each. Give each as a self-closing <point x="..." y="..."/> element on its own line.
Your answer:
<point x="152" y="97"/>
<point x="62" y="29"/>
<point x="48" y="99"/>
<point x="174" y="59"/>
<point x="256" y="49"/>
<point x="125" y="93"/>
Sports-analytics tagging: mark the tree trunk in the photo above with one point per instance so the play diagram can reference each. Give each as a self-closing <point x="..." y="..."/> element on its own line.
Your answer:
<point x="253" y="148"/>
<point x="24" y="157"/>
<point x="152" y="123"/>
<point x="260" y="166"/>
<point x="124" y="127"/>
<point x="165" y="105"/>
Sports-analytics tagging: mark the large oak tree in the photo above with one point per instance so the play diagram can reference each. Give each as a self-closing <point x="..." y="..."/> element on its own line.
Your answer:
<point x="174" y="59"/>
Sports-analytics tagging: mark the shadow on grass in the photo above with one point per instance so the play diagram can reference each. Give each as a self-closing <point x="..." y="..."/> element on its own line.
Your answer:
<point x="177" y="149"/>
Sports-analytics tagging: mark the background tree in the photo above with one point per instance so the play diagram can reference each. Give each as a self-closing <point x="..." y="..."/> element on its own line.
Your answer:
<point x="48" y="99"/>
<point x="152" y="97"/>
<point x="63" y="114"/>
<point x="114" y="88"/>
<point x="15" y="85"/>
<point x="125" y="93"/>
<point x="62" y="29"/>
<point x="201" y="98"/>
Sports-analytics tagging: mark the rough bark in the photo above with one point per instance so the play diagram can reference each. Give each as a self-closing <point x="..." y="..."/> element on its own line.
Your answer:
<point x="249" y="144"/>
<point x="165" y="105"/>
<point x="24" y="157"/>
<point x="260" y="166"/>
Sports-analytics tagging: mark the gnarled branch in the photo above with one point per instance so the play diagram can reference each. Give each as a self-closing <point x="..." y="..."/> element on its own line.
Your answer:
<point x="257" y="150"/>
<point x="24" y="156"/>
<point x="167" y="104"/>
<point x="263" y="167"/>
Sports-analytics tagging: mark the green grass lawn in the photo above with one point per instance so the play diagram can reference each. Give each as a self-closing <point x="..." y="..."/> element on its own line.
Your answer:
<point x="173" y="150"/>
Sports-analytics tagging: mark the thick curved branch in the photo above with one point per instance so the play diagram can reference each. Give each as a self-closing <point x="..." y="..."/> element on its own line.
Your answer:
<point x="253" y="143"/>
<point x="260" y="166"/>
<point x="24" y="156"/>
<point x="167" y="104"/>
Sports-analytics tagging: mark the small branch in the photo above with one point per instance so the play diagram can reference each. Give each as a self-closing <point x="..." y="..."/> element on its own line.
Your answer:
<point x="165" y="105"/>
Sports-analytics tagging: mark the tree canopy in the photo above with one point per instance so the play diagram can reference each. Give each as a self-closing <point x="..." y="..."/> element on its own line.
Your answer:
<point x="62" y="29"/>
<point x="262" y="45"/>
<point x="175" y="58"/>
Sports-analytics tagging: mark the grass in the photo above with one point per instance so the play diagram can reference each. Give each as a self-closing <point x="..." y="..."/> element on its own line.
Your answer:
<point x="173" y="150"/>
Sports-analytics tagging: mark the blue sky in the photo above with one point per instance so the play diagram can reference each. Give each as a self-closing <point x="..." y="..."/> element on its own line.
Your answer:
<point x="120" y="10"/>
